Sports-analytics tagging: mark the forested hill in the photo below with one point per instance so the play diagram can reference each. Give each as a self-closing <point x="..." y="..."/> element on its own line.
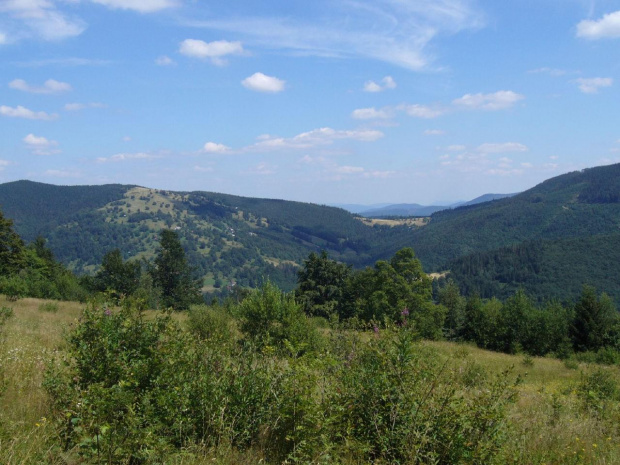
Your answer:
<point x="228" y="238"/>
<point x="37" y="208"/>
<point x="528" y="240"/>
<point x="579" y="204"/>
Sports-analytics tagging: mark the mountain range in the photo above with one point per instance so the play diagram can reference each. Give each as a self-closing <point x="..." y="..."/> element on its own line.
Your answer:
<point x="550" y="239"/>
<point x="412" y="209"/>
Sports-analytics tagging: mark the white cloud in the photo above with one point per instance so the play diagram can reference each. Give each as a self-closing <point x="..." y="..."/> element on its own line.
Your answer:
<point x="164" y="61"/>
<point x="592" y="85"/>
<point x="142" y="6"/>
<point x="212" y="147"/>
<point x="40" y="19"/>
<point x="434" y="132"/>
<point x="606" y="27"/>
<point x="386" y="83"/>
<point x="392" y="31"/>
<point x="506" y="147"/>
<point x="51" y="86"/>
<point x="422" y="111"/>
<point x="210" y="50"/>
<point x="455" y="148"/>
<point x="40" y="145"/>
<point x="3" y="38"/>
<point x="4" y="164"/>
<point x="83" y="106"/>
<point x="370" y="113"/>
<point x="314" y="138"/>
<point x="22" y="112"/>
<point x="121" y="157"/>
<point x="263" y="83"/>
<point x="496" y="101"/>
<point x="203" y="169"/>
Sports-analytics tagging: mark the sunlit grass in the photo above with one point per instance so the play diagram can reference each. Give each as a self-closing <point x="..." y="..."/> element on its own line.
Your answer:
<point x="549" y="424"/>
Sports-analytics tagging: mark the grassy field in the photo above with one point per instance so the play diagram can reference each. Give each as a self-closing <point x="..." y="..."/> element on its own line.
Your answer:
<point x="553" y="422"/>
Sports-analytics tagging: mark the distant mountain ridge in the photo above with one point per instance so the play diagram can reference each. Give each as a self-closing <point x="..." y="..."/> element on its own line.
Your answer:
<point x="413" y="209"/>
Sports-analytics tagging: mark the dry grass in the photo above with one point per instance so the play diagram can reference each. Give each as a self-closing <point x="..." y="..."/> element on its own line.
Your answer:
<point x="418" y="221"/>
<point x="549" y="424"/>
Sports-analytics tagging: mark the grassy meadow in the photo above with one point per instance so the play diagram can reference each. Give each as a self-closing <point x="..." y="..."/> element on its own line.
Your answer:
<point x="565" y="412"/>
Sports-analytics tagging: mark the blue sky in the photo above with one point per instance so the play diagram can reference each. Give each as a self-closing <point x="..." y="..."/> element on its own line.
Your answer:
<point x="329" y="101"/>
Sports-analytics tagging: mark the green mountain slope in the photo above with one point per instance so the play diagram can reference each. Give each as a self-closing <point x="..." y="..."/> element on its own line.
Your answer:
<point x="547" y="269"/>
<point x="578" y="204"/>
<point x="227" y="238"/>
<point x="38" y="208"/>
<point x="550" y="239"/>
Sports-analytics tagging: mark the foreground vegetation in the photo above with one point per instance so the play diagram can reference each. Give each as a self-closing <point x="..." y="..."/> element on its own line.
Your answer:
<point x="259" y="381"/>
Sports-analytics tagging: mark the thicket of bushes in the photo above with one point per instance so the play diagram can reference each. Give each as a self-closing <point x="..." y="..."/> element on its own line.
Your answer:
<point x="261" y="376"/>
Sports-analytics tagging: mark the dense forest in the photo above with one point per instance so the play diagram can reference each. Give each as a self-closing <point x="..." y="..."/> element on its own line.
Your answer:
<point x="549" y="240"/>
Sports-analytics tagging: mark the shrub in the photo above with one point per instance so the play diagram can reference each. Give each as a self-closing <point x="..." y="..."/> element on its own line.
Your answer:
<point x="398" y="406"/>
<point x="211" y="324"/>
<point x="13" y="287"/>
<point x="271" y="318"/>
<point x="49" y="307"/>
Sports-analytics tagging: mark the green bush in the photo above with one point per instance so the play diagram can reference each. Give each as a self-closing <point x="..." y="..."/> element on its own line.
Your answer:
<point x="49" y="307"/>
<point x="272" y="318"/>
<point x="211" y="324"/>
<point x="14" y="287"/>
<point x="399" y="406"/>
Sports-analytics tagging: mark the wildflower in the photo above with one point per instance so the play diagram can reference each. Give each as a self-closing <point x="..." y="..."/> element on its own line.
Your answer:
<point x="405" y="312"/>
<point x="107" y="312"/>
<point x="376" y="329"/>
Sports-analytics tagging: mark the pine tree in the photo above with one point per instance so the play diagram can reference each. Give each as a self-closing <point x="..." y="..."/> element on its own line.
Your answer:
<point x="173" y="275"/>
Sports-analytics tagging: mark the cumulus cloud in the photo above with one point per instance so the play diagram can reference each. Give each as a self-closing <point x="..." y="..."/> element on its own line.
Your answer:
<point x="422" y="111"/>
<point x="370" y="113"/>
<point x="214" y="51"/>
<point x="22" y="112"/>
<point x="40" y="19"/>
<point x="51" y="86"/>
<point x="606" y="27"/>
<point x="40" y="145"/>
<point x="496" y="101"/>
<point x="314" y="138"/>
<point x="592" y="85"/>
<point x="506" y="147"/>
<point x="3" y="38"/>
<point x="335" y="172"/>
<point x="164" y="61"/>
<point x="263" y="83"/>
<point x="212" y="147"/>
<point x="121" y="157"/>
<point x="434" y="132"/>
<point x="142" y="6"/>
<point x="386" y="83"/>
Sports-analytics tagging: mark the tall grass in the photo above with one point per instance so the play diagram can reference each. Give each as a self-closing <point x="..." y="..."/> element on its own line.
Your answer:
<point x="560" y="415"/>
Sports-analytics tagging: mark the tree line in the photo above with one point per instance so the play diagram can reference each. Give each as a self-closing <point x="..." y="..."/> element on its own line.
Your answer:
<point x="394" y="291"/>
